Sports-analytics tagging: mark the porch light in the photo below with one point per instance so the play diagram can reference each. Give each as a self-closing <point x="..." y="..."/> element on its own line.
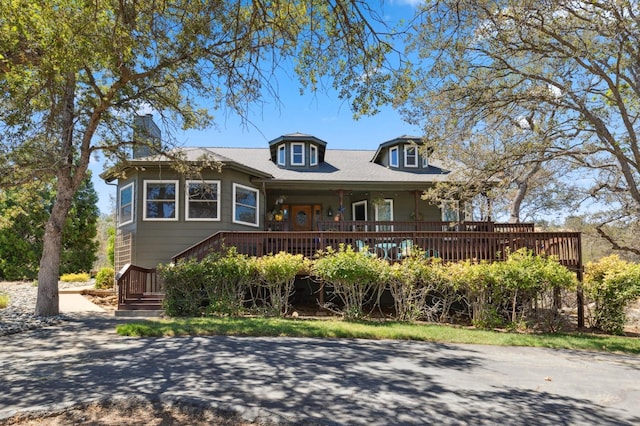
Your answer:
<point x="329" y="212"/>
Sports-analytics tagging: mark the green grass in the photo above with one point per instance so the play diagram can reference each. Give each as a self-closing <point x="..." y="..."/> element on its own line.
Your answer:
<point x="4" y="300"/>
<point x="334" y="328"/>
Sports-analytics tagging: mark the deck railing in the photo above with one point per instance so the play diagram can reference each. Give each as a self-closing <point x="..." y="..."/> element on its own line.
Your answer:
<point x="134" y="282"/>
<point x="377" y="225"/>
<point x="394" y="245"/>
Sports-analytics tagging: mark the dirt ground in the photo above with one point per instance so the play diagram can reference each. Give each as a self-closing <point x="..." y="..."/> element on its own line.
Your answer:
<point x="127" y="413"/>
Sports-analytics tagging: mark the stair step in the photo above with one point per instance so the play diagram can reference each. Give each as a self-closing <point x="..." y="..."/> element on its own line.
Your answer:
<point x="140" y="306"/>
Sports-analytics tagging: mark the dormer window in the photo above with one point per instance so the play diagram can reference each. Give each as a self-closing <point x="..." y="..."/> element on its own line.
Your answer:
<point x="297" y="154"/>
<point x="393" y="157"/>
<point x="282" y="155"/>
<point x="425" y="162"/>
<point x="313" y="155"/>
<point x="410" y="156"/>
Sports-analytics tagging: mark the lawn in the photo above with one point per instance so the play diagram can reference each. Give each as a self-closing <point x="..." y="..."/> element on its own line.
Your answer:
<point x="378" y="330"/>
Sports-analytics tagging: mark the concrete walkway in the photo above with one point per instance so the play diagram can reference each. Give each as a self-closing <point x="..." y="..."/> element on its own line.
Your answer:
<point x="323" y="381"/>
<point x="72" y="301"/>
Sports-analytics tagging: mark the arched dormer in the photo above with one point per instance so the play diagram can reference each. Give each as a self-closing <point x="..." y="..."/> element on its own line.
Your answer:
<point x="297" y="150"/>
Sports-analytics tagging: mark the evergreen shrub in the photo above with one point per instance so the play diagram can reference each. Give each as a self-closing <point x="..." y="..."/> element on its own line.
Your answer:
<point x="105" y="278"/>
<point x="611" y="284"/>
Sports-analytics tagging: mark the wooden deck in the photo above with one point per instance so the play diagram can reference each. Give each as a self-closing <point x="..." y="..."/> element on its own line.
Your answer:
<point x="479" y="241"/>
<point x="450" y="246"/>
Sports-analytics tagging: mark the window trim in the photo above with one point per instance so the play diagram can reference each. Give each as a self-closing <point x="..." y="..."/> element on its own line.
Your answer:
<point x="282" y="155"/>
<point x="313" y="155"/>
<point x="120" y="190"/>
<point x="176" y="199"/>
<point x="407" y="149"/>
<point x="187" y="201"/>
<point x="376" y="212"/>
<point x="393" y="150"/>
<point x="293" y="155"/>
<point x="355" y="204"/>
<point x="257" y="207"/>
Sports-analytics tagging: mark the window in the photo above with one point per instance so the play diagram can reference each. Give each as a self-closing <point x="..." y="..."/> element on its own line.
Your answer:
<point x="425" y="162"/>
<point x="313" y="155"/>
<point x="125" y="205"/>
<point x="359" y="212"/>
<point x="245" y="205"/>
<point x="297" y="154"/>
<point x="410" y="156"/>
<point x="393" y="157"/>
<point x="282" y="155"/>
<point x="203" y="201"/>
<point x="160" y="200"/>
<point x="450" y="211"/>
<point x="384" y="212"/>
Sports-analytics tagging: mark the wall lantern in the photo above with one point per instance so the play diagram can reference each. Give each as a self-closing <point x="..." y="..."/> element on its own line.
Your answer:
<point x="329" y="212"/>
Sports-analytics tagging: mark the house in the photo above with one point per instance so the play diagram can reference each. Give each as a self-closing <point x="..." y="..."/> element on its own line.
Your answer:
<point x="299" y="196"/>
<point x="295" y="183"/>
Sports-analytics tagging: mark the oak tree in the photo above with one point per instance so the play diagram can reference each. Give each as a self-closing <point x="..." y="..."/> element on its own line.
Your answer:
<point x="74" y="72"/>
<point x="577" y="62"/>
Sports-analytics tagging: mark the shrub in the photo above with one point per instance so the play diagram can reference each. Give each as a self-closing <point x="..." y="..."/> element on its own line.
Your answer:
<point x="277" y="274"/>
<point x="528" y="283"/>
<point x="420" y="290"/>
<point x="75" y="278"/>
<point x="105" y="278"/>
<point x="227" y="277"/>
<point x="183" y="288"/>
<point x="612" y="284"/>
<point x="4" y="300"/>
<point x="216" y="285"/>
<point x="476" y="283"/>
<point x="513" y="292"/>
<point x="355" y="278"/>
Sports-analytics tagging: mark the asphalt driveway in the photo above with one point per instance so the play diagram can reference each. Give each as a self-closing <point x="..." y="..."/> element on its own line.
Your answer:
<point x="326" y="381"/>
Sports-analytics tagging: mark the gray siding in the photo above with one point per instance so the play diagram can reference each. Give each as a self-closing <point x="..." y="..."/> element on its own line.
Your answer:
<point x="157" y="241"/>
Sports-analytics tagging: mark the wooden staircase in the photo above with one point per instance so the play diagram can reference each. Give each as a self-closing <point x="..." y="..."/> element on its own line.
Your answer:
<point x="144" y="301"/>
<point x="139" y="292"/>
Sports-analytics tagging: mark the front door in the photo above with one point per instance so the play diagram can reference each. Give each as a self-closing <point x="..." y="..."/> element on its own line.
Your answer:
<point x="302" y="218"/>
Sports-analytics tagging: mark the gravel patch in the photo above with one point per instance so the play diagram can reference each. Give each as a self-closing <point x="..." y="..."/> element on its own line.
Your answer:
<point x="19" y="316"/>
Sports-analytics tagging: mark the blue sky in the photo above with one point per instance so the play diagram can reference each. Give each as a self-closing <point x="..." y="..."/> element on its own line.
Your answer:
<point x="321" y="114"/>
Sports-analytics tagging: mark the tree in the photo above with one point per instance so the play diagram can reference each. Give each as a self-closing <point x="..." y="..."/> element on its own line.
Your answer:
<point x="515" y="167"/>
<point x="574" y="61"/>
<point x="24" y="211"/>
<point x="79" y="244"/>
<point x="74" y="73"/>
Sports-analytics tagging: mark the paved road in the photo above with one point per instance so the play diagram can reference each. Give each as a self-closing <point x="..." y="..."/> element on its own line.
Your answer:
<point x="328" y="381"/>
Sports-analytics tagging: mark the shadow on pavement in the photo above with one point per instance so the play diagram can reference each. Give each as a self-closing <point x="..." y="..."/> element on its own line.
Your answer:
<point x="328" y="381"/>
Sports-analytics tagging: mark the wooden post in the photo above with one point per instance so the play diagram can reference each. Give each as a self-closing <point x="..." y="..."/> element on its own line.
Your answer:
<point x="580" y="300"/>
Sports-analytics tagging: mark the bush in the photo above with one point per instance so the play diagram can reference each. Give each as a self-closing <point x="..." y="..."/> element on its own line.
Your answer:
<point x="75" y="278"/>
<point x="183" y="286"/>
<point x="215" y="285"/>
<point x="355" y="278"/>
<point x="612" y="284"/>
<point x="513" y="292"/>
<point x="277" y="274"/>
<point x="420" y="289"/>
<point x="105" y="278"/>
<point x="476" y="283"/>
<point x="227" y="277"/>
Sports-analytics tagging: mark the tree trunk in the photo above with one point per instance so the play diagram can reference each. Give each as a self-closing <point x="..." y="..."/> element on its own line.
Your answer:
<point x="516" y="203"/>
<point x="47" y="303"/>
